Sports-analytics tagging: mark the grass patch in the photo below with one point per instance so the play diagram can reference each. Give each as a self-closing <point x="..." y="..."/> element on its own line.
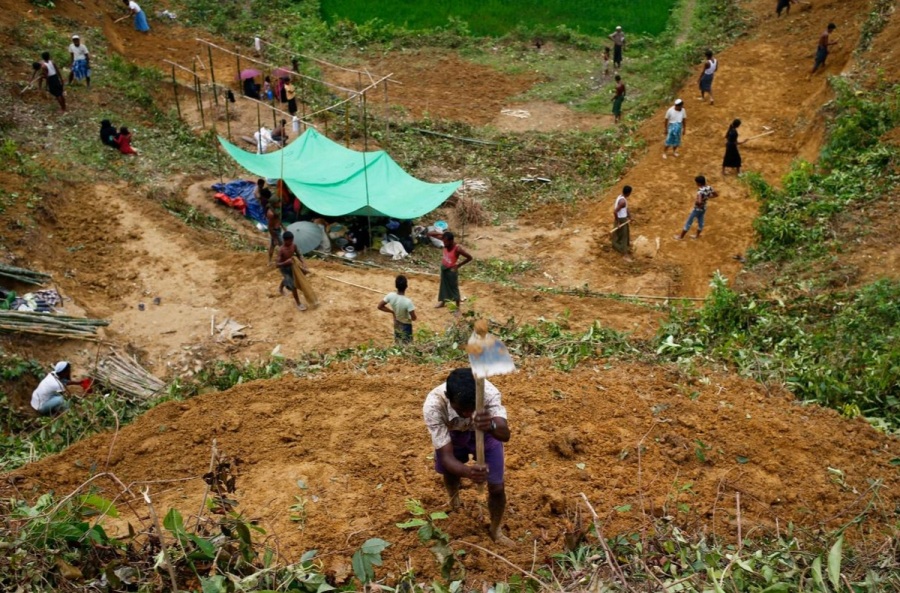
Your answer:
<point x="498" y="17"/>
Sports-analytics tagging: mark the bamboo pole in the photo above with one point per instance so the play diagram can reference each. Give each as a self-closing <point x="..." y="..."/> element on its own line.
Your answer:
<point x="175" y="92"/>
<point x="227" y="118"/>
<point x="347" y="126"/>
<point x="259" y="148"/>
<point x="212" y="75"/>
<point x="387" y="114"/>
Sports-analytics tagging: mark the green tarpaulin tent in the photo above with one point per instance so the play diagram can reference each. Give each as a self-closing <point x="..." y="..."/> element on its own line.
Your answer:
<point x="336" y="181"/>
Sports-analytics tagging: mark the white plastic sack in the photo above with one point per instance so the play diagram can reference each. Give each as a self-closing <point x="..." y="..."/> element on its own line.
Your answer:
<point x="394" y="249"/>
<point x="263" y="139"/>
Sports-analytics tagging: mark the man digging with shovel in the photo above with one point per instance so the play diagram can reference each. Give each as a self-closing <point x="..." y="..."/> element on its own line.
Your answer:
<point x="465" y="416"/>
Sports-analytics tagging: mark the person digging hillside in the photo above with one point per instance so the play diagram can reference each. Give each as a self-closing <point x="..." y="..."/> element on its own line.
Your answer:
<point x="48" y="398"/>
<point x="822" y="48"/>
<point x="621" y="237"/>
<point x="449" y="412"/>
<point x="286" y="254"/>
<point x="450" y="265"/>
<point x="46" y="71"/>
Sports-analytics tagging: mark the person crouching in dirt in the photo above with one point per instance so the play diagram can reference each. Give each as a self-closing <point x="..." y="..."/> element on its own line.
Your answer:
<point x="450" y="416"/>
<point x="286" y="254"/>
<point x="48" y="398"/>
<point x="108" y="134"/>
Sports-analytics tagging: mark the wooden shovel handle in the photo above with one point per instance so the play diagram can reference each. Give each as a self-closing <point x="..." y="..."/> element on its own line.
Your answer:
<point x="479" y="408"/>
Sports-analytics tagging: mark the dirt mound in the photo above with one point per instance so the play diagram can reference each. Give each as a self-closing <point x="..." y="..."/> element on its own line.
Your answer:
<point x="623" y="434"/>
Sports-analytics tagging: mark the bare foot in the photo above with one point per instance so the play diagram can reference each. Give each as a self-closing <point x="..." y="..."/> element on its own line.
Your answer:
<point x="501" y="539"/>
<point x="440" y="305"/>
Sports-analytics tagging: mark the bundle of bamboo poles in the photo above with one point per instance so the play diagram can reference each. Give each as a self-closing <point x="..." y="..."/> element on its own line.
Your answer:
<point x="45" y="324"/>
<point x="24" y="275"/>
<point x="123" y="374"/>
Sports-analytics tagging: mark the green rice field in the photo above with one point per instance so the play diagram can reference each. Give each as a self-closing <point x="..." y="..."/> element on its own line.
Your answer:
<point x="496" y="17"/>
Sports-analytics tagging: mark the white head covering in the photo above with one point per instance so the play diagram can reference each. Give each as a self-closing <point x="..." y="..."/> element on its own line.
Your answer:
<point x="679" y="102"/>
<point x="619" y="28"/>
<point x="60" y="366"/>
<point x="75" y="37"/>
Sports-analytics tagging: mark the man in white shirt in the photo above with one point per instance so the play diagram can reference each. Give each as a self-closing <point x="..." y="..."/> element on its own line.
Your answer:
<point x="81" y="61"/>
<point x="618" y="39"/>
<point x="676" y="126"/>
<point x="450" y="416"/>
<point x="48" y="398"/>
<point x="402" y="308"/>
<point x="621" y="238"/>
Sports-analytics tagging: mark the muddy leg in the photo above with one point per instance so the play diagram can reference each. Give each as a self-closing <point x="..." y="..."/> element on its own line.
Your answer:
<point x="451" y="483"/>
<point x="496" y="507"/>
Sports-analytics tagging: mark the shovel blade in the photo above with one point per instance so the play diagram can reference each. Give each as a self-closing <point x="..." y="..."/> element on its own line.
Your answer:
<point x="488" y="356"/>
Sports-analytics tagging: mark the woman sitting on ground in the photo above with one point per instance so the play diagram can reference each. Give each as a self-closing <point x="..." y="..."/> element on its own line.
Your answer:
<point x="108" y="133"/>
<point x="123" y="141"/>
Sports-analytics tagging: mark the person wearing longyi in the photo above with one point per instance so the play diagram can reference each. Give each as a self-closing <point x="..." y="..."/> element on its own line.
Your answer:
<point x="450" y="416"/>
<point x="140" y="19"/>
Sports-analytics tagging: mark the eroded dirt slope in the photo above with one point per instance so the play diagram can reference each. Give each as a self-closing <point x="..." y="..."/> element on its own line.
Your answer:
<point x="355" y="436"/>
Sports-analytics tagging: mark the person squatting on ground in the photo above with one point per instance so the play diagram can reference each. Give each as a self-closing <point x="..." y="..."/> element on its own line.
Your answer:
<point x="108" y="134"/>
<point x="704" y="193"/>
<point x="402" y="308"/>
<point x="47" y="71"/>
<point x="618" y="98"/>
<point x="286" y="254"/>
<point x="450" y="416"/>
<point x="48" y="398"/>
<point x="140" y="19"/>
<point x="606" y="61"/>
<point x="707" y="74"/>
<point x="450" y="265"/>
<point x="123" y="141"/>
<point x="621" y="236"/>
<point x="618" y="39"/>
<point x="81" y="61"/>
<point x="732" y="159"/>
<point x="822" y="48"/>
<point x="676" y="127"/>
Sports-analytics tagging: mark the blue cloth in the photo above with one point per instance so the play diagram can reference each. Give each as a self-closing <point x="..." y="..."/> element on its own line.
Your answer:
<point x="55" y="404"/>
<point x="706" y="82"/>
<point x="673" y="138"/>
<point x="241" y="188"/>
<point x="698" y="215"/>
<point x="80" y="69"/>
<point x="140" y="22"/>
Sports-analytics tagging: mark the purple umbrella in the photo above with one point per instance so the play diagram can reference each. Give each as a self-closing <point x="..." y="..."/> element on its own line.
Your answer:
<point x="249" y="73"/>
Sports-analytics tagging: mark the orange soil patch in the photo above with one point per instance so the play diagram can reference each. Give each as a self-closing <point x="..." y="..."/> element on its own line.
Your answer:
<point x="356" y="437"/>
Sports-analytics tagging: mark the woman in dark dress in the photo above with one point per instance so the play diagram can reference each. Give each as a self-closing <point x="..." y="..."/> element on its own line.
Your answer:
<point x="732" y="158"/>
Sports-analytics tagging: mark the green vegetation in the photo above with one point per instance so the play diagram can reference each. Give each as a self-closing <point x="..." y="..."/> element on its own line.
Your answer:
<point x="496" y="17"/>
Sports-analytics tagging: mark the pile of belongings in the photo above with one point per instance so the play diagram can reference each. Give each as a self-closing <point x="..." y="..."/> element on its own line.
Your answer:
<point x="241" y="194"/>
<point x="41" y="301"/>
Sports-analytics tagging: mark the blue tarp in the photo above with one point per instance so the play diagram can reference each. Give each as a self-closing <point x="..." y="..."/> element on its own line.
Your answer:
<point x="240" y="188"/>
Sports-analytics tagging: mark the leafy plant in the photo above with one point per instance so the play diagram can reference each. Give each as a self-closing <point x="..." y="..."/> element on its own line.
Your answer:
<point x="428" y="531"/>
<point x="366" y="558"/>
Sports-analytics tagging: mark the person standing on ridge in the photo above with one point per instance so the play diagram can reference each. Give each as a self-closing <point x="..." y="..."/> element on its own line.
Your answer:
<point x="618" y="39"/>
<point x="732" y="159"/>
<point x="698" y="213"/>
<point x="676" y="127"/>
<point x="81" y="61"/>
<point x="707" y="73"/>
<point x="618" y="99"/>
<point x="450" y="265"/>
<point x="450" y="416"/>
<point x="402" y="308"/>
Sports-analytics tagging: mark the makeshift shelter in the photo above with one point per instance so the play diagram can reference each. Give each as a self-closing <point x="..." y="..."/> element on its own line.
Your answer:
<point x="336" y="181"/>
